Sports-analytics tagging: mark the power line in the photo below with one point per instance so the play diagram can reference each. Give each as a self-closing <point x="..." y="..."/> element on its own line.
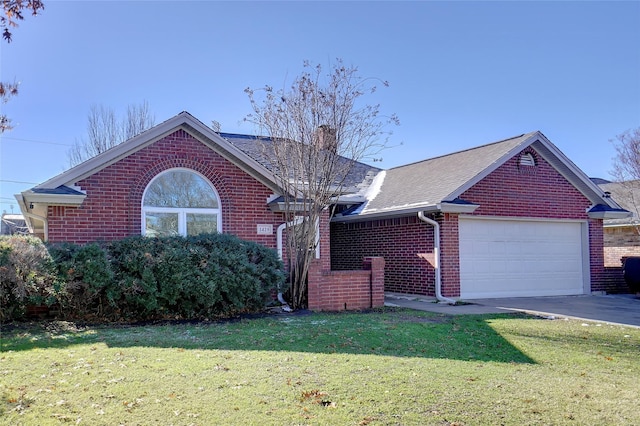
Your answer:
<point x="34" y="141"/>
<point x="18" y="181"/>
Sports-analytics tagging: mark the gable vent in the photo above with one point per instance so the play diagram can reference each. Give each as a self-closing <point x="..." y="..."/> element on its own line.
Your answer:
<point x="527" y="159"/>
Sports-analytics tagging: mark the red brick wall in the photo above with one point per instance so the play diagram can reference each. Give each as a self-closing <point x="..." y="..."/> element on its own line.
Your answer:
<point x="544" y="193"/>
<point x="112" y="209"/>
<point x="346" y="290"/>
<point x="613" y="280"/>
<point x="510" y="190"/>
<point x="330" y="290"/>
<point x="449" y="256"/>
<point x="400" y="241"/>
<point x="596" y="253"/>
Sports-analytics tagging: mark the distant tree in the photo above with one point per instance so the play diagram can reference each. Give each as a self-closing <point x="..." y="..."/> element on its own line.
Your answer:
<point x="106" y="130"/>
<point x="11" y="14"/>
<point x="318" y="128"/>
<point x="626" y="170"/>
<point x="627" y="161"/>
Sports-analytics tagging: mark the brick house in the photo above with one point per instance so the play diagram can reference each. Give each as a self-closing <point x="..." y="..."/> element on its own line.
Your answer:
<point x="507" y="219"/>
<point x="512" y="218"/>
<point x="181" y="177"/>
<point x="12" y="224"/>
<point x="622" y="235"/>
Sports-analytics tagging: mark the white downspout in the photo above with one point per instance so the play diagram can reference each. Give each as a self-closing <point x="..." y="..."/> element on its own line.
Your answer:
<point x="436" y="257"/>
<point x="297" y="220"/>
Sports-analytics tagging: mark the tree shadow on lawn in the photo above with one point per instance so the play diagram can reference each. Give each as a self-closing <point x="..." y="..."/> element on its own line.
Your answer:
<point x="393" y="332"/>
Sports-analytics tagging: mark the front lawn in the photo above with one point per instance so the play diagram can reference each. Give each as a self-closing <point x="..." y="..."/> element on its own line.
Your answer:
<point x="389" y="367"/>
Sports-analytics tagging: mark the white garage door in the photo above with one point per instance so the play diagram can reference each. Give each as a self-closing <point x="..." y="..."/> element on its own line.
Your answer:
<point x="519" y="258"/>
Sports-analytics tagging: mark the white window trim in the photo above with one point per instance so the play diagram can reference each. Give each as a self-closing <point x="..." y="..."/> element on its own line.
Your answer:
<point x="181" y="211"/>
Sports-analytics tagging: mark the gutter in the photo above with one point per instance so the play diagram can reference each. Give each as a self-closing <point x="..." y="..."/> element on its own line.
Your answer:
<point x="436" y="256"/>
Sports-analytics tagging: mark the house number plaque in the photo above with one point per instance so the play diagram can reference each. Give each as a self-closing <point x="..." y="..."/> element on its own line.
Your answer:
<point x="265" y="229"/>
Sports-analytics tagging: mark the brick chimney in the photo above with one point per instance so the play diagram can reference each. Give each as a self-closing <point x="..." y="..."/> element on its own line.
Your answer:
<point x="325" y="138"/>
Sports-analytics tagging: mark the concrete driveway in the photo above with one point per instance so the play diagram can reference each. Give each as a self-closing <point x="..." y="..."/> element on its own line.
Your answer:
<point x="616" y="309"/>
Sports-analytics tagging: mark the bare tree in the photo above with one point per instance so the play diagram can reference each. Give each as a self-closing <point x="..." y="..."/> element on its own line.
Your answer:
<point x="11" y="14"/>
<point x="626" y="171"/>
<point x="627" y="161"/>
<point x="105" y="130"/>
<point x="7" y="90"/>
<point x="318" y="129"/>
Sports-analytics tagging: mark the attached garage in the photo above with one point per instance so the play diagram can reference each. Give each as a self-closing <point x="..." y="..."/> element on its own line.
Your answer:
<point x="514" y="218"/>
<point x="505" y="257"/>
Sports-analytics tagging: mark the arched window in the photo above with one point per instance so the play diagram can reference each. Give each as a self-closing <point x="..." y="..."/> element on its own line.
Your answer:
<point x="180" y="202"/>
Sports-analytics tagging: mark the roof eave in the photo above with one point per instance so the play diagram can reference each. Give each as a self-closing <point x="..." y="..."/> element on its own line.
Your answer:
<point x="454" y="207"/>
<point x="284" y="207"/>
<point x="386" y="214"/>
<point x="74" y="200"/>
<point x="610" y="214"/>
<point x="620" y="225"/>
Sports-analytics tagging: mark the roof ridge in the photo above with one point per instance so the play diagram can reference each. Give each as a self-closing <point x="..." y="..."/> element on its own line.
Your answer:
<point x="243" y="136"/>
<point x="462" y="150"/>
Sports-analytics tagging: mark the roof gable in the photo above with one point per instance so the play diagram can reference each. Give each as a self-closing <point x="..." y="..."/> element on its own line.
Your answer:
<point x="183" y="121"/>
<point x="242" y="150"/>
<point x="436" y="184"/>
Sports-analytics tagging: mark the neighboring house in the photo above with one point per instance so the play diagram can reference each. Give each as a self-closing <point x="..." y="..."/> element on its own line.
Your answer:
<point x="513" y="218"/>
<point x="622" y="235"/>
<point x="13" y="224"/>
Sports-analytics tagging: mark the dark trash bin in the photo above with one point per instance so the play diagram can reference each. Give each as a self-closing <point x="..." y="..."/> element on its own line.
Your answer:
<point x="631" y="271"/>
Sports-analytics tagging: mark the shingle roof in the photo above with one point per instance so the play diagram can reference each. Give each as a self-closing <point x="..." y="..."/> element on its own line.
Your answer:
<point x="260" y="149"/>
<point x="627" y="194"/>
<point x="436" y="184"/>
<point x="60" y="190"/>
<point x="432" y="181"/>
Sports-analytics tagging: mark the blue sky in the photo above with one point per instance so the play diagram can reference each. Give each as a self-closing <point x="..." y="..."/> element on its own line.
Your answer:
<point x="461" y="74"/>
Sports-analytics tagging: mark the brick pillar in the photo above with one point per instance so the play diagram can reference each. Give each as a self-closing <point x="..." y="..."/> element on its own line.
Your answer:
<point x="376" y="266"/>
<point x="314" y="285"/>
<point x="325" y="240"/>
<point x="450" y="255"/>
<point x="596" y="256"/>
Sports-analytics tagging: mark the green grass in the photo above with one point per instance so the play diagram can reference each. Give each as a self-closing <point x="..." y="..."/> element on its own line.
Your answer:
<point x="391" y="367"/>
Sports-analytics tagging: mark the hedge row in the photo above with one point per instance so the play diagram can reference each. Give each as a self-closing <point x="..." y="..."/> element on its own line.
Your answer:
<point x="138" y="278"/>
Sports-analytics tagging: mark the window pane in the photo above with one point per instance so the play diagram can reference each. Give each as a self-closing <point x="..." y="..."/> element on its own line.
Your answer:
<point x="161" y="224"/>
<point x="180" y="188"/>
<point x="201" y="223"/>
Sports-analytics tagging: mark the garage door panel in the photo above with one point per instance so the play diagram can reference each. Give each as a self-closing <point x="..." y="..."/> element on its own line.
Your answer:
<point x="512" y="258"/>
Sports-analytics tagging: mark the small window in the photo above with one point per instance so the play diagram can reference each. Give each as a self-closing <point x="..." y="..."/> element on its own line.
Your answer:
<point x="527" y="159"/>
<point x="180" y="202"/>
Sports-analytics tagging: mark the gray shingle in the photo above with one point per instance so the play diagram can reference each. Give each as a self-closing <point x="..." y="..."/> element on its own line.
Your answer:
<point x="627" y="195"/>
<point x="260" y="149"/>
<point x="432" y="181"/>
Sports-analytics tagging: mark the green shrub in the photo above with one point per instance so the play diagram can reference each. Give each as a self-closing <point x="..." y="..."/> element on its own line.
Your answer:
<point x="196" y="277"/>
<point x="138" y="278"/>
<point x="27" y="276"/>
<point x="89" y="287"/>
